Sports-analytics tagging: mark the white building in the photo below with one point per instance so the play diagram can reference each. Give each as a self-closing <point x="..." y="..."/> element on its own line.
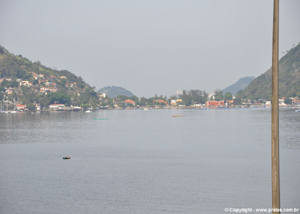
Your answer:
<point x="57" y="107"/>
<point x="178" y="93"/>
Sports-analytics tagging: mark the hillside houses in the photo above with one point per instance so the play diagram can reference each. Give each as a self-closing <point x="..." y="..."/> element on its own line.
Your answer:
<point x="26" y="83"/>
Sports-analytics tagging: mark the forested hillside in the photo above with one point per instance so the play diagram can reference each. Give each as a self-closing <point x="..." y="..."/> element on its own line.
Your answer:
<point x="289" y="79"/>
<point x="29" y="82"/>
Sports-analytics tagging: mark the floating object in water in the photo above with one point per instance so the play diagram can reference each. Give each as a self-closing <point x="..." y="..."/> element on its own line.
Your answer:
<point x="100" y="118"/>
<point x="88" y="111"/>
<point x="177" y="116"/>
<point x="68" y="157"/>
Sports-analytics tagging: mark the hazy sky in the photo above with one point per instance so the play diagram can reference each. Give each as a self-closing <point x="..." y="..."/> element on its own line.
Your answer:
<point x="150" y="47"/>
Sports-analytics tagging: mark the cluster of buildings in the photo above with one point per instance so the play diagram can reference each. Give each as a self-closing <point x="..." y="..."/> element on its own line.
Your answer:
<point x="178" y="103"/>
<point x="41" y="84"/>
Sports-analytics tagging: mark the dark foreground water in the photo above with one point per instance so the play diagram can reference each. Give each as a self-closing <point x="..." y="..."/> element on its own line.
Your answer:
<point x="145" y="161"/>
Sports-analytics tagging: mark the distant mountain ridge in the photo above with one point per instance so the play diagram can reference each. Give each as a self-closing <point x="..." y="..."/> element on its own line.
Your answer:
<point x="239" y="85"/>
<point x="289" y="79"/>
<point x="114" y="91"/>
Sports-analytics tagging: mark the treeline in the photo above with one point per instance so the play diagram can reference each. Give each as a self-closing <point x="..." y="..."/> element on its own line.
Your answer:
<point x="192" y="97"/>
<point x="188" y="98"/>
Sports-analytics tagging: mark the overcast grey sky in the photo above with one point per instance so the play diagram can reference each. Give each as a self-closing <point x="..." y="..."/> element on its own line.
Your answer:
<point x="150" y="47"/>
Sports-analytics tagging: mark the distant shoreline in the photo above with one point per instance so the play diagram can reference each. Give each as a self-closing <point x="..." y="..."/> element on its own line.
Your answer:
<point x="155" y="108"/>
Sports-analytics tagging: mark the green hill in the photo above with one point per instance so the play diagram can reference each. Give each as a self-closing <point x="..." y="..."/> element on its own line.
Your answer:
<point x="289" y="79"/>
<point x="114" y="91"/>
<point x="239" y="85"/>
<point x="29" y="82"/>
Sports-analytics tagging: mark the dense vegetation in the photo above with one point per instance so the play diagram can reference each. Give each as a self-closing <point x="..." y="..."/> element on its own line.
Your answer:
<point x="31" y="82"/>
<point x="289" y="79"/>
<point x="114" y="91"/>
<point x="194" y="97"/>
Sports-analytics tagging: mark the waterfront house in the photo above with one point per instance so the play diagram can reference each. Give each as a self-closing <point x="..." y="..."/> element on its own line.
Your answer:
<point x="281" y="102"/>
<point x="173" y="102"/>
<point x="20" y="107"/>
<point x="220" y="103"/>
<point x="296" y="101"/>
<point x="160" y="101"/>
<point x="268" y="103"/>
<point x="129" y="102"/>
<point x="57" y="107"/>
<point x="38" y="106"/>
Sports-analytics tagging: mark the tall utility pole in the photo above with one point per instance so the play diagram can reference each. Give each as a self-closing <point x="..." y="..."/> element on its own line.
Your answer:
<point x="275" y="113"/>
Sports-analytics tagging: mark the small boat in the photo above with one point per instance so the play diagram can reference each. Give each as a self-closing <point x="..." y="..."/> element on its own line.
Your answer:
<point x="177" y="116"/>
<point x="68" y="157"/>
<point x="298" y="110"/>
<point x="88" y="111"/>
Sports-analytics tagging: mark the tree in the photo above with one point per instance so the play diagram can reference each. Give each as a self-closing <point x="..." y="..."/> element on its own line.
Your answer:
<point x="122" y="97"/>
<point x="193" y="97"/>
<point x="30" y="106"/>
<point x="288" y="101"/>
<point x="58" y="98"/>
<point x="228" y="96"/>
<point x="143" y="101"/>
<point x="23" y="75"/>
<point x="35" y="82"/>
<point x="10" y="84"/>
<point x="237" y="101"/>
<point x="218" y="95"/>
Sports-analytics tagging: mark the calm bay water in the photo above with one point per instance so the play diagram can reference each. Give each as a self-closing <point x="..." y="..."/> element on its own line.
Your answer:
<point x="145" y="161"/>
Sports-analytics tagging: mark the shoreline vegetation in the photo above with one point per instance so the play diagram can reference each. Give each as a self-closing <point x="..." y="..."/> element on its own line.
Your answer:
<point x="27" y="86"/>
<point x="68" y="109"/>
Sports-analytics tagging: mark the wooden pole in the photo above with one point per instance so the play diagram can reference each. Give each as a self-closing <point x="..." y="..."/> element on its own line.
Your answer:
<point x="275" y="113"/>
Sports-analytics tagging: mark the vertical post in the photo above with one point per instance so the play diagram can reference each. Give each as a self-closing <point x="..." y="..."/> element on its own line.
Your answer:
<point x="275" y="113"/>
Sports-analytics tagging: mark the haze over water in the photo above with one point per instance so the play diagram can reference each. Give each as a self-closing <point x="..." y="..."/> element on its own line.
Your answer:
<point x="145" y="161"/>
